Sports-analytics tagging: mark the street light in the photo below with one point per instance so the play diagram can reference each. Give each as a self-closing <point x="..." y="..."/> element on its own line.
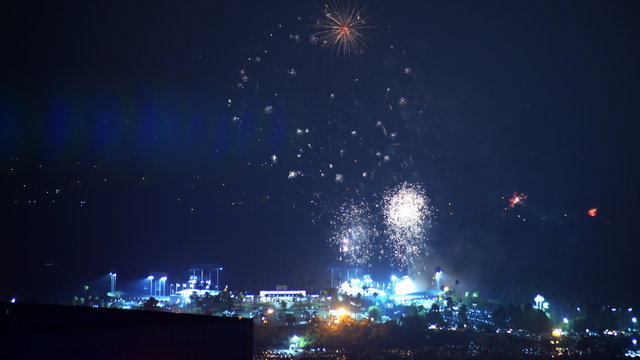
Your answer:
<point x="634" y="320"/>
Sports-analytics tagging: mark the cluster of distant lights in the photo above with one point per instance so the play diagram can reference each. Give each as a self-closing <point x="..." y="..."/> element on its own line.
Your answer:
<point x="541" y="304"/>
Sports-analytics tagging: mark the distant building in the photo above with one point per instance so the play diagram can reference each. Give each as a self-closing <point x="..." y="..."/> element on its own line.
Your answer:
<point x="282" y="295"/>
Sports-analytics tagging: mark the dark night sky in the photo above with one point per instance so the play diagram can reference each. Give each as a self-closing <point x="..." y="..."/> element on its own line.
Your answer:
<point x="122" y="107"/>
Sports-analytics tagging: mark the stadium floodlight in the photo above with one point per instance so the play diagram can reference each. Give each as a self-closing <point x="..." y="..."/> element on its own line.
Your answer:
<point x="150" y="278"/>
<point x="539" y="299"/>
<point x="438" y="277"/>
<point x="112" y="279"/>
<point x="405" y="286"/>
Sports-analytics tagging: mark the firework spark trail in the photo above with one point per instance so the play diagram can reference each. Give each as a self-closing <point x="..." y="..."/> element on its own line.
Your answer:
<point x="407" y="215"/>
<point x="353" y="233"/>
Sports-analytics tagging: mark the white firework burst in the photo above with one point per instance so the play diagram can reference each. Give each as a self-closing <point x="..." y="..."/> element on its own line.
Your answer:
<point x="353" y="233"/>
<point x="407" y="215"/>
<point x="293" y="174"/>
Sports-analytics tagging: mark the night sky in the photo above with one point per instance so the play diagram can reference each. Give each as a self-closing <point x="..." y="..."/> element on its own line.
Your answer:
<point x="139" y="136"/>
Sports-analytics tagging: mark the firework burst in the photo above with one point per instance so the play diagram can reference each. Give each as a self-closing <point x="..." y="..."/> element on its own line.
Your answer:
<point x="407" y="215"/>
<point x="353" y="233"/>
<point x="342" y="26"/>
<point x="517" y="199"/>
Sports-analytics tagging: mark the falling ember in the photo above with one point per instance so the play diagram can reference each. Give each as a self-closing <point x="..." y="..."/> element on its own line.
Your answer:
<point x="593" y="212"/>
<point x="517" y="199"/>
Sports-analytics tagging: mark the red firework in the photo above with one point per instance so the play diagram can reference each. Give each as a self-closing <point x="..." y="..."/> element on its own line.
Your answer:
<point x="516" y="199"/>
<point x="593" y="212"/>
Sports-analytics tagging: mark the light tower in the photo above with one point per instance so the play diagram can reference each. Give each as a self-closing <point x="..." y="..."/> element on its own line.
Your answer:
<point x="163" y="284"/>
<point x="218" y="269"/>
<point x="160" y="280"/>
<point x="112" y="278"/>
<point x="198" y="272"/>
<point x="394" y="279"/>
<point x="438" y="276"/>
<point x="150" y="278"/>
<point x="332" y="269"/>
